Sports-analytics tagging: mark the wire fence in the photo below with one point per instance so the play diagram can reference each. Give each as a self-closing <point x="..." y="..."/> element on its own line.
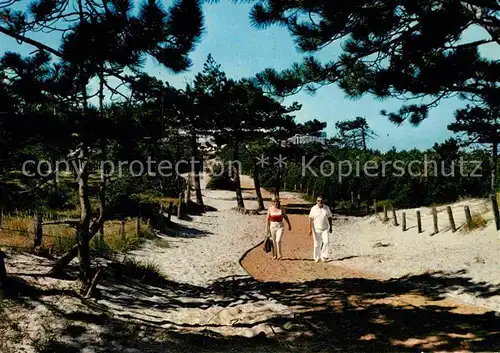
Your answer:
<point x="26" y="231"/>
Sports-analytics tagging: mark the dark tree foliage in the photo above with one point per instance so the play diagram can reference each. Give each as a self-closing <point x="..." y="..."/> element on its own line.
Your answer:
<point x="167" y="35"/>
<point x="480" y="124"/>
<point x="354" y="133"/>
<point x="404" y="48"/>
<point x="311" y="127"/>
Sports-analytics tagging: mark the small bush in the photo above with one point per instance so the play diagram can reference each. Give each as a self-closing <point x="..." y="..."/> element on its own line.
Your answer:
<point x="161" y="243"/>
<point x="389" y="204"/>
<point x="347" y="205"/>
<point x="147" y="272"/>
<point x="100" y="247"/>
<point x="223" y="182"/>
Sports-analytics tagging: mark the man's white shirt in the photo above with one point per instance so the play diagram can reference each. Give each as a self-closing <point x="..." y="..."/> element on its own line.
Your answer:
<point x="320" y="216"/>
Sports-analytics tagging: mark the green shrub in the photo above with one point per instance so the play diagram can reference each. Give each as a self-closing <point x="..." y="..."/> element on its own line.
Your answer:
<point x="222" y="182"/>
<point x="387" y="203"/>
<point x="221" y="179"/>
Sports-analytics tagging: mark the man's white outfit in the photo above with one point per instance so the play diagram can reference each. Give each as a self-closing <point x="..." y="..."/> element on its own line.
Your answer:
<point x="321" y="231"/>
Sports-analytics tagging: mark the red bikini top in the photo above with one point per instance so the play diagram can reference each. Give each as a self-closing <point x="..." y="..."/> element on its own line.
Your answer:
<point x="276" y="216"/>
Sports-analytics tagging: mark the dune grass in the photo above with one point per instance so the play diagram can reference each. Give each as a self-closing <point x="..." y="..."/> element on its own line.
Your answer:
<point x="17" y="232"/>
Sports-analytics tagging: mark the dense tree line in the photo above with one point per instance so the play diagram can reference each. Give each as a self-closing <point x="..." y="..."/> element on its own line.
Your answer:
<point x="407" y="178"/>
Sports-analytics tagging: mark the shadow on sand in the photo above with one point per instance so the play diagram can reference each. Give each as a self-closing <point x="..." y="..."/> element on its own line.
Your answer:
<point x="344" y="315"/>
<point x="177" y="230"/>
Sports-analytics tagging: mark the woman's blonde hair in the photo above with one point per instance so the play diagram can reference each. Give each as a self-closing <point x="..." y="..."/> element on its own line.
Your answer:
<point x="276" y="199"/>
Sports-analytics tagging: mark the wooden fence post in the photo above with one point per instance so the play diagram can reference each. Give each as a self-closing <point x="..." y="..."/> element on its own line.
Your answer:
<point x="352" y="196"/>
<point x="307" y="191"/>
<point x="138" y="226"/>
<point x="3" y="272"/>
<point x="295" y="187"/>
<point x="419" y="222"/>
<point x="450" y="217"/>
<point x="161" y="219"/>
<point x="435" y="220"/>
<point x="38" y="228"/>
<point x="494" y="206"/>
<point x="284" y="186"/>
<point x="314" y="192"/>
<point x="170" y="209"/>
<point x="394" y="217"/>
<point x="122" y="229"/>
<point x="101" y="231"/>
<point x="468" y="217"/>
<point x="375" y="206"/>
<point x="179" y="210"/>
<point x="188" y="188"/>
<point x="386" y="218"/>
<point x="404" y="222"/>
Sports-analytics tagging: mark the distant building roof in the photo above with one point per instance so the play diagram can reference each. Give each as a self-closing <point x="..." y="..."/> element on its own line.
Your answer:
<point x="302" y="139"/>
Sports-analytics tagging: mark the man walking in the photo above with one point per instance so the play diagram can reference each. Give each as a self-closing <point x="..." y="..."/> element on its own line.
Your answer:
<point x="320" y="227"/>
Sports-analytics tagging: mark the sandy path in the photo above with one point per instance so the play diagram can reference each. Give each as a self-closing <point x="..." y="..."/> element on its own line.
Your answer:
<point x="297" y="266"/>
<point x="209" y="246"/>
<point x="460" y="266"/>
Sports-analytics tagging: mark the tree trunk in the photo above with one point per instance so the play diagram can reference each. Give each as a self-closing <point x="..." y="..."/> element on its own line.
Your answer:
<point x="102" y="204"/>
<point x="84" y="225"/>
<point x="70" y="255"/>
<point x="363" y="136"/>
<point x="102" y="185"/>
<point x="239" y="195"/>
<point x="162" y="178"/>
<point x="56" y="174"/>
<point x="278" y="183"/>
<point x="494" y="168"/>
<point x="278" y="179"/>
<point x="197" y="169"/>
<point x="256" y="182"/>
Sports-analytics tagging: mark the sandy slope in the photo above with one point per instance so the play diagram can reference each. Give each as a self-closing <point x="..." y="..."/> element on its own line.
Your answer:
<point x="368" y="244"/>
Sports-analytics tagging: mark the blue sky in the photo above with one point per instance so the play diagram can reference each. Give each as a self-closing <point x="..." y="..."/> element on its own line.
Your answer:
<point x="244" y="51"/>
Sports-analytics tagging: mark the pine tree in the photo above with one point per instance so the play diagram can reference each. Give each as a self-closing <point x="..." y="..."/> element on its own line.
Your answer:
<point x="481" y="125"/>
<point x="405" y="48"/>
<point x="168" y="36"/>
<point x="354" y="133"/>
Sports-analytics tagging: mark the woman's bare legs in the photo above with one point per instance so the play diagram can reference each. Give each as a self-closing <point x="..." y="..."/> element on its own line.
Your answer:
<point x="273" y="239"/>
<point x="279" y="236"/>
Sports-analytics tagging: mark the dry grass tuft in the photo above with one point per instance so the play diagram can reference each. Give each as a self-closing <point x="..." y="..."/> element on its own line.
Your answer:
<point x="478" y="222"/>
<point x="17" y="232"/>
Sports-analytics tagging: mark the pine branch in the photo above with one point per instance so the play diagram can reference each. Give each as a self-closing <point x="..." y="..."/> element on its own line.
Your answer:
<point x="57" y="53"/>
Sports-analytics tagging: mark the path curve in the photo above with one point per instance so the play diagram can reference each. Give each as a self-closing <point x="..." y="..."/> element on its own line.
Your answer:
<point x="297" y="265"/>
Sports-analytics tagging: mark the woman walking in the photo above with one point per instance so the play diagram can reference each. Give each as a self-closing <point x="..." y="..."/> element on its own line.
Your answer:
<point x="274" y="221"/>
